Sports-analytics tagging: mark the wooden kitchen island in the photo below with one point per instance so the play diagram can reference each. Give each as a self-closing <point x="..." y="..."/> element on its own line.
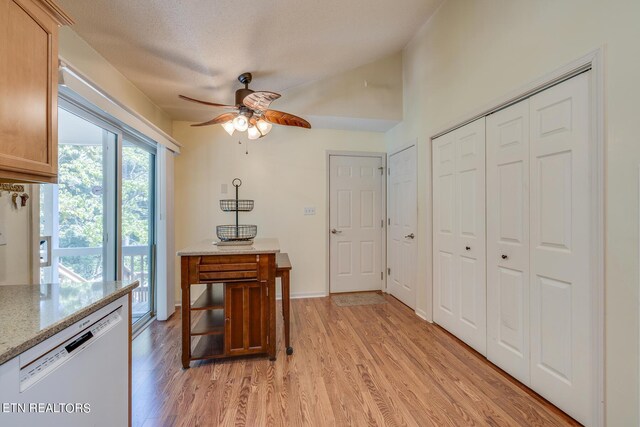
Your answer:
<point x="236" y="313"/>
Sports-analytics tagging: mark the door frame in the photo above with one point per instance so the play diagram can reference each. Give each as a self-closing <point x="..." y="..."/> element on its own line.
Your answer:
<point x="594" y="62"/>
<point x="413" y="143"/>
<point x="383" y="201"/>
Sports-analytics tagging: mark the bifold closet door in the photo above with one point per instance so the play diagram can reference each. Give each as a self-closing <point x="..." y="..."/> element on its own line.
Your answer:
<point x="508" y="240"/>
<point x="459" y="233"/>
<point x="561" y="304"/>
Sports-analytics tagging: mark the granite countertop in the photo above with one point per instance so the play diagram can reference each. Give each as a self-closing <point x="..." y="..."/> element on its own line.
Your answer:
<point x="209" y="247"/>
<point x="29" y="314"/>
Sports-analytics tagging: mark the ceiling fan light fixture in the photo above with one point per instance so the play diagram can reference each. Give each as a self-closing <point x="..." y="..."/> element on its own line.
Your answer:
<point x="264" y="126"/>
<point x="250" y="112"/>
<point x="253" y="132"/>
<point x="241" y="123"/>
<point x="229" y="127"/>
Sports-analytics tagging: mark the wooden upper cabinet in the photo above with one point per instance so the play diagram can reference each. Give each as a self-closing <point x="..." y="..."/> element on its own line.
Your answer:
<point x="29" y="89"/>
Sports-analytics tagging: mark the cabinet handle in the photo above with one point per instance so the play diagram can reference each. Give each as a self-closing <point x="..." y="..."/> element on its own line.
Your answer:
<point x="468" y="248"/>
<point x="505" y="257"/>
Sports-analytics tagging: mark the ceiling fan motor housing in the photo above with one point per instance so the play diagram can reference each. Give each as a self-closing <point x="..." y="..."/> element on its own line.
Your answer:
<point x="241" y="94"/>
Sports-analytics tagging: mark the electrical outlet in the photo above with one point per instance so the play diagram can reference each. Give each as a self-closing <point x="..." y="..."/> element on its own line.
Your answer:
<point x="310" y="211"/>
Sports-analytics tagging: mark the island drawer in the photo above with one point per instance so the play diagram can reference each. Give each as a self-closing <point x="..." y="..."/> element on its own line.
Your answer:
<point x="225" y="269"/>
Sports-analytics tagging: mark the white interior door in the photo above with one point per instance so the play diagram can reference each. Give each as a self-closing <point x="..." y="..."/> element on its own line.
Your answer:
<point x="402" y="247"/>
<point x="356" y="223"/>
<point x="561" y="315"/>
<point x="445" y="309"/>
<point x="508" y="240"/>
<point x="459" y="233"/>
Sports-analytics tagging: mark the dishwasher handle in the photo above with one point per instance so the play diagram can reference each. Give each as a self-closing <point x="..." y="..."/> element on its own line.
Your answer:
<point x="78" y="342"/>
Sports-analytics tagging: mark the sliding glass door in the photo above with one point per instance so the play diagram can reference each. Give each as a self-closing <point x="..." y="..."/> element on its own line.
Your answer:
<point x="76" y="224"/>
<point x="98" y="223"/>
<point x="138" y="178"/>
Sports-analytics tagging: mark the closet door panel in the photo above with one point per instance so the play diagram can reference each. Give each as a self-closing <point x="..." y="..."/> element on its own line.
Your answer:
<point x="459" y="233"/>
<point x="561" y="315"/>
<point x="508" y="240"/>
<point x="444" y="226"/>
<point x="470" y="251"/>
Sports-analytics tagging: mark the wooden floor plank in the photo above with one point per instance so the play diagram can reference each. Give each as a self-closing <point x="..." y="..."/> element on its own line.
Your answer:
<point x="377" y="365"/>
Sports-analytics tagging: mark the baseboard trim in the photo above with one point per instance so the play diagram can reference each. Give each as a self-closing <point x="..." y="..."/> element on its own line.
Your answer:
<point x="296" y="295"/>
<point x="302" y="295"/>
<point x="422" y="314"/>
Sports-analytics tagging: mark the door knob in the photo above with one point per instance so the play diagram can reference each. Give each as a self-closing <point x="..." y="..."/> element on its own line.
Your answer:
<point x="334" y="231"/>
<point x="505" y="257"/>
<point x="410" y="236"/>
<point x="468" y="248"/>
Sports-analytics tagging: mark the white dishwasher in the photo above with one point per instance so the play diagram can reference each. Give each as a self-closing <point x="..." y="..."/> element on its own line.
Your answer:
<point x="77" y="377"/>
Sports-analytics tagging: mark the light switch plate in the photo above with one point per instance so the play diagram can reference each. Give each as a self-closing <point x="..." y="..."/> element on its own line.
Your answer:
<point x="310" y="211"/>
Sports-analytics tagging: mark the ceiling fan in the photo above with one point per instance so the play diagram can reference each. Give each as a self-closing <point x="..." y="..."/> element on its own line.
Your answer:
<point x="251" y="112"/>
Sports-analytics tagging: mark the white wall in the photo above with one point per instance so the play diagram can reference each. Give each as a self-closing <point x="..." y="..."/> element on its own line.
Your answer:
<point x="283" y="173"/>
<point x="471" y="53"/>
<point x="15" y="256"/>
<point x="94" y="66"/>
<point x="344" y="101"/>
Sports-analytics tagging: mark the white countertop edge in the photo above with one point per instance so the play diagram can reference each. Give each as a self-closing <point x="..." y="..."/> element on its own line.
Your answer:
<point x="208" y="247"/>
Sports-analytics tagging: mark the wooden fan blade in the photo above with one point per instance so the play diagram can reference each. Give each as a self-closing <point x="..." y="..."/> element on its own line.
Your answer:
<point x="213" y="104"/>
<point x="285" y="119"/>
<point x="222" y="118"/>
<point x="260" y="100"/>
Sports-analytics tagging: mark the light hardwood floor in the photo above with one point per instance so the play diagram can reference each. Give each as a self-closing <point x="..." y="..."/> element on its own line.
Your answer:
<point x="362" y="365"/>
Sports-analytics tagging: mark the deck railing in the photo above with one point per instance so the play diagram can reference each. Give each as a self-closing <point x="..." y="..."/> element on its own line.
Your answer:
<point x="135" y="266"/>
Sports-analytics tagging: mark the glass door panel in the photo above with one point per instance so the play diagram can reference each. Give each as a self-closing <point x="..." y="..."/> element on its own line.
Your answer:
<point x="74" y="214"/>
<point x="138" y="178"/>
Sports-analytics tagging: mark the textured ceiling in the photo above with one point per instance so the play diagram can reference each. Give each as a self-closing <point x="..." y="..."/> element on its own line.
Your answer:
<point x="199" y="47"/>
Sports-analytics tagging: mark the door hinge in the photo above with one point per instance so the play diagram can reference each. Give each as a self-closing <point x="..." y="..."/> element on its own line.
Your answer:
<point x="388" y="272"/>
<point x="388" y="171"/>
<point x="382" y="223"/>
<point x="382" y="275"/>
<point x="267" y="291"/>
<point x="389" y="221"/>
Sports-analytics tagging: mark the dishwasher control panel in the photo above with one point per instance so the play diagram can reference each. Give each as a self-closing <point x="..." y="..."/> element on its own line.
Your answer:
<point x="57" y="356"/>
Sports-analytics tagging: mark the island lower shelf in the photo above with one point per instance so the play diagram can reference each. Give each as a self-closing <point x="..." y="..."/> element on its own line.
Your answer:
<point x="228" y="319"/>
<point x="232" y="316"/>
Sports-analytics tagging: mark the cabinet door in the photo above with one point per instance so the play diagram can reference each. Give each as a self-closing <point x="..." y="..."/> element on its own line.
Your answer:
<point x="508" y="240"/>
<point x="245" y="318"/>
<point x="28" y="92"/>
